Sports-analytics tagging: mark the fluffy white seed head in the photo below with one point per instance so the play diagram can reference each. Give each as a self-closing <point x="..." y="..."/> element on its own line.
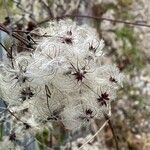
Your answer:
<point x="63" y="79"/>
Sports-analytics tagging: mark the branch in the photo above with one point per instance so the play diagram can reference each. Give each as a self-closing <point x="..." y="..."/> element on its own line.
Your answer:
<point x="47" y="8"/>
<point x="112" y="130"/>
<point x="12" y="113"/>
<point x="15" y="35"/>
<point x="6" y="50"/>
<point x="94" y="134"/>
<point x="97" y="18"/>
<point x="9" y="54"/>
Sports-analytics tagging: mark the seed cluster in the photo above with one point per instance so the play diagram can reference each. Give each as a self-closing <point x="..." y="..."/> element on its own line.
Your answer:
<point x="64" y="79"/>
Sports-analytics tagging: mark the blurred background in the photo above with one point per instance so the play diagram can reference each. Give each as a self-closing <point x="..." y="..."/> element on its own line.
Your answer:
<point x="127" y="45"/>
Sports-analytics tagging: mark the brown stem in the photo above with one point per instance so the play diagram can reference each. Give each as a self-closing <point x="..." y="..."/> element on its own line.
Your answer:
<point x="9" y="54"/>
<point x="47" y="8"/>
<point x="97" y="18"/>
<point x="5" y="49"/>
<point x="111" y="20"/>
<point x="15" y="35"/>
<point x="48" y="95"/>
<point x="112" y="130"/>
<point x="12" y="113"/>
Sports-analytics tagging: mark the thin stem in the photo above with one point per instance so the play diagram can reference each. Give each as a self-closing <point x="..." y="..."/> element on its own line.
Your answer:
<point x="24" y="48"/>
<point x="110" y="20"/>
<point x="97" y="18"/>
<point x="9" y="54"/>
<point x="12" y="113"/>
<point x="21" y="31"/>
<point x="48" y="95"/>
<point x="5" y="49"/>
<point x="47" y="8"/>
<point x="94" y="134"/>
<point x="15" y="35"/>
<point x="112" y="130"/>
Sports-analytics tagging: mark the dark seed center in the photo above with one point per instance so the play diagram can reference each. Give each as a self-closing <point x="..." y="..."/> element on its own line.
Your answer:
<point x="111" y="79"/>
<point x="103" y="98"/>
<point x="26" y="93"/>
